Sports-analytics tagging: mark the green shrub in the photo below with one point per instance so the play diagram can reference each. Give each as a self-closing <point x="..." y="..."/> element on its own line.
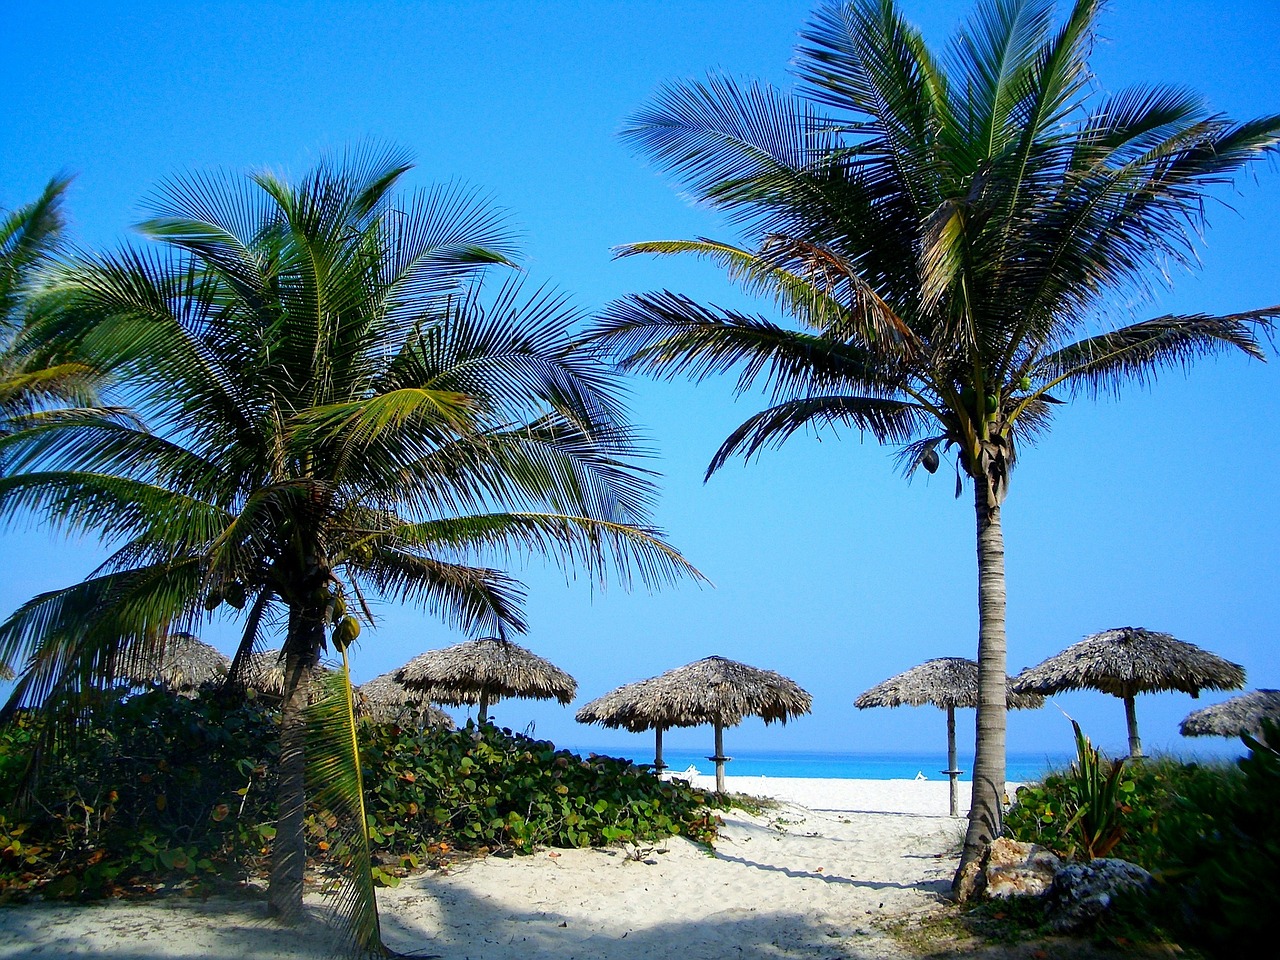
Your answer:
<point x="163" y="789"/>
<point x="1087" y="810"/>
<point x="158" y="788"/>
<point x="1209" y="832"/>
<point x="481" y="788"/>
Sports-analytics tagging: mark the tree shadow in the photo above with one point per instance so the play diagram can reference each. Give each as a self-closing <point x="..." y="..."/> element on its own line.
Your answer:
<point x="494" y="929"/>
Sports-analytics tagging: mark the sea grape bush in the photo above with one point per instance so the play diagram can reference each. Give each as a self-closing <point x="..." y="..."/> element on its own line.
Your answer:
<point x="484" y="788"/>
<point x="162" y="789"/>
<point x="157" y="788"/>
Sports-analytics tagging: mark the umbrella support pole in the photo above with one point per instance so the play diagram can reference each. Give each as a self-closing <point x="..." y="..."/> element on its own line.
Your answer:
<point x="720" y="759"/>
<point x="658" y="765"/>
<point x="484" y="707"/>
<point x="1131" y="718"/>
<point x="952" y="773"/>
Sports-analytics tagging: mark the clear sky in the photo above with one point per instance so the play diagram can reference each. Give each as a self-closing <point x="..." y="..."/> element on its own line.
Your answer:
<point x="1157" y="510"/>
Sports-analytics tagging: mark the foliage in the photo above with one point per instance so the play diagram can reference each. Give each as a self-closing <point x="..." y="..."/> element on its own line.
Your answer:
<point x="1099" y="787"/>
<point x="1210" y="833"/>
<point x="156" y="789"/>
<point x="483" y="788"/>
<point x="1236" y="887"/>
<point x="162" y="789"/>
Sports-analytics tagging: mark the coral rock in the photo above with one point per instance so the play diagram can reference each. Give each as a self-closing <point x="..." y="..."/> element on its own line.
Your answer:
<point x="1019" y="869"/>
<point x="1083" y="892"/>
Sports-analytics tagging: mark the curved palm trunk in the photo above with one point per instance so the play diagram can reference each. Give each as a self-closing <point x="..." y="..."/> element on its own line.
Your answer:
<point x="289" y="849"/>
<point x="986" y="808"/>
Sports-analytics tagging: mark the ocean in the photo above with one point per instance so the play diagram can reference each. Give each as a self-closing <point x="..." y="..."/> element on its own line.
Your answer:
<point x="842" y="766"/>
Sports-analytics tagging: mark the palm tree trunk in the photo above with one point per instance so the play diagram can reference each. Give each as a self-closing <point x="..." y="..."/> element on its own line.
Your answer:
<point x="986" y="809"/>
<point x="289" y="848"/>
<point x="1131" y="718"/>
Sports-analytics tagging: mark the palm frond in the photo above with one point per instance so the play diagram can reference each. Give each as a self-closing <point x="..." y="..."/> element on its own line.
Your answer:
<point x="473" y="599"/>
<point x="336" y="785"/>
<point x="69" y="641"/>
<point x="889" y="421"/>
<point x="1137" y="352"/>
<point x="575" y="542"/>
<point x="670" y="335"/>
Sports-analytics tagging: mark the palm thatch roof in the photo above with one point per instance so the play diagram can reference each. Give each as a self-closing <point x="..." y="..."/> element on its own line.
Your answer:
<point x="713" y="690"/>
<point x="483" y="670"/>
<point x="1242" y="714"/>
<point x="263" y="672"/>
<point x="385" y="700"/>
<point x="943" y="682"/>
<point x="1129" y="660"/>
<point x="180" y="663"/>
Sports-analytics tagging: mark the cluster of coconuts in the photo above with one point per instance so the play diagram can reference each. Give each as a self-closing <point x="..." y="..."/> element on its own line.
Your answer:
<point x="345" y="627"/>
<point x="969" y="397"/>
<point x="233" y="595"/>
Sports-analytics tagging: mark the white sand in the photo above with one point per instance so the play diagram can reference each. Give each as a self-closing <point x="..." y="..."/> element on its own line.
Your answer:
<point x="810" y="879"/>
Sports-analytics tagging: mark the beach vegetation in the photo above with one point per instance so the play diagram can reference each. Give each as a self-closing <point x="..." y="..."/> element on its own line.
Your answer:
<point x="328" y="408"/>
<point x="945" y="236"/>
<point x="159" y="790"/>
<point x="1208" y="832"/>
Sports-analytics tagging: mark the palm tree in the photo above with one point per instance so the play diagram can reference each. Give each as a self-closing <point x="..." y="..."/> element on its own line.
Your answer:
<point x="945" y="232"/>
<point x="331" y="410"/>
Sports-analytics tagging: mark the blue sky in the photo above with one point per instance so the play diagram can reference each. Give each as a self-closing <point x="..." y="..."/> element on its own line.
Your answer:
<point x="1159" y="509"/>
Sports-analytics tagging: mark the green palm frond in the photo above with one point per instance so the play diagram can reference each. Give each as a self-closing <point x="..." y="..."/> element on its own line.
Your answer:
<point x="888" y="421"/>
<point x="670" y="335"/>
<point x="1136" y="353"/>
<point x="575" y="542"/>
<point x="336" y="785"/>
<point x="472" y="599"/>
<point x="70" y="640"/>
<point x="118" y="508"/>
<point x="29" y="235"/>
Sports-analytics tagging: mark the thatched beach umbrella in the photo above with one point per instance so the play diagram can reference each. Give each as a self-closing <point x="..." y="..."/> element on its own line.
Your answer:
<point x="181" y="663"/>
<point x="483" y="671"/>
<point x="947" y="682"/>
<point x="1231" y="718"/>
<point x="263" y="673"/>
<point x="1127" y="661"/>
<point x="624" y="708"/>
<point x="714" y="690"/>
<point x="385" y="700"/>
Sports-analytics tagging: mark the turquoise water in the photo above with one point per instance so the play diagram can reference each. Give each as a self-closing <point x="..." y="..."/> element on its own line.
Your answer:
<point x="844" y="766"/>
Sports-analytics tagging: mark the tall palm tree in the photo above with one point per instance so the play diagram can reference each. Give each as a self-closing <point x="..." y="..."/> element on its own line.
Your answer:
<point x="944" y="231"/>
<point x="330" y="408"/>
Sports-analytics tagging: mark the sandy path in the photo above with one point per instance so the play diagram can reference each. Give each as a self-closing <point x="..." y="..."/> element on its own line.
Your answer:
<point x="795" y="882"/>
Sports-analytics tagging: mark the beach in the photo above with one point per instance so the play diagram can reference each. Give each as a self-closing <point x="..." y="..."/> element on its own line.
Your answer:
<point x="818" y="875"/>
